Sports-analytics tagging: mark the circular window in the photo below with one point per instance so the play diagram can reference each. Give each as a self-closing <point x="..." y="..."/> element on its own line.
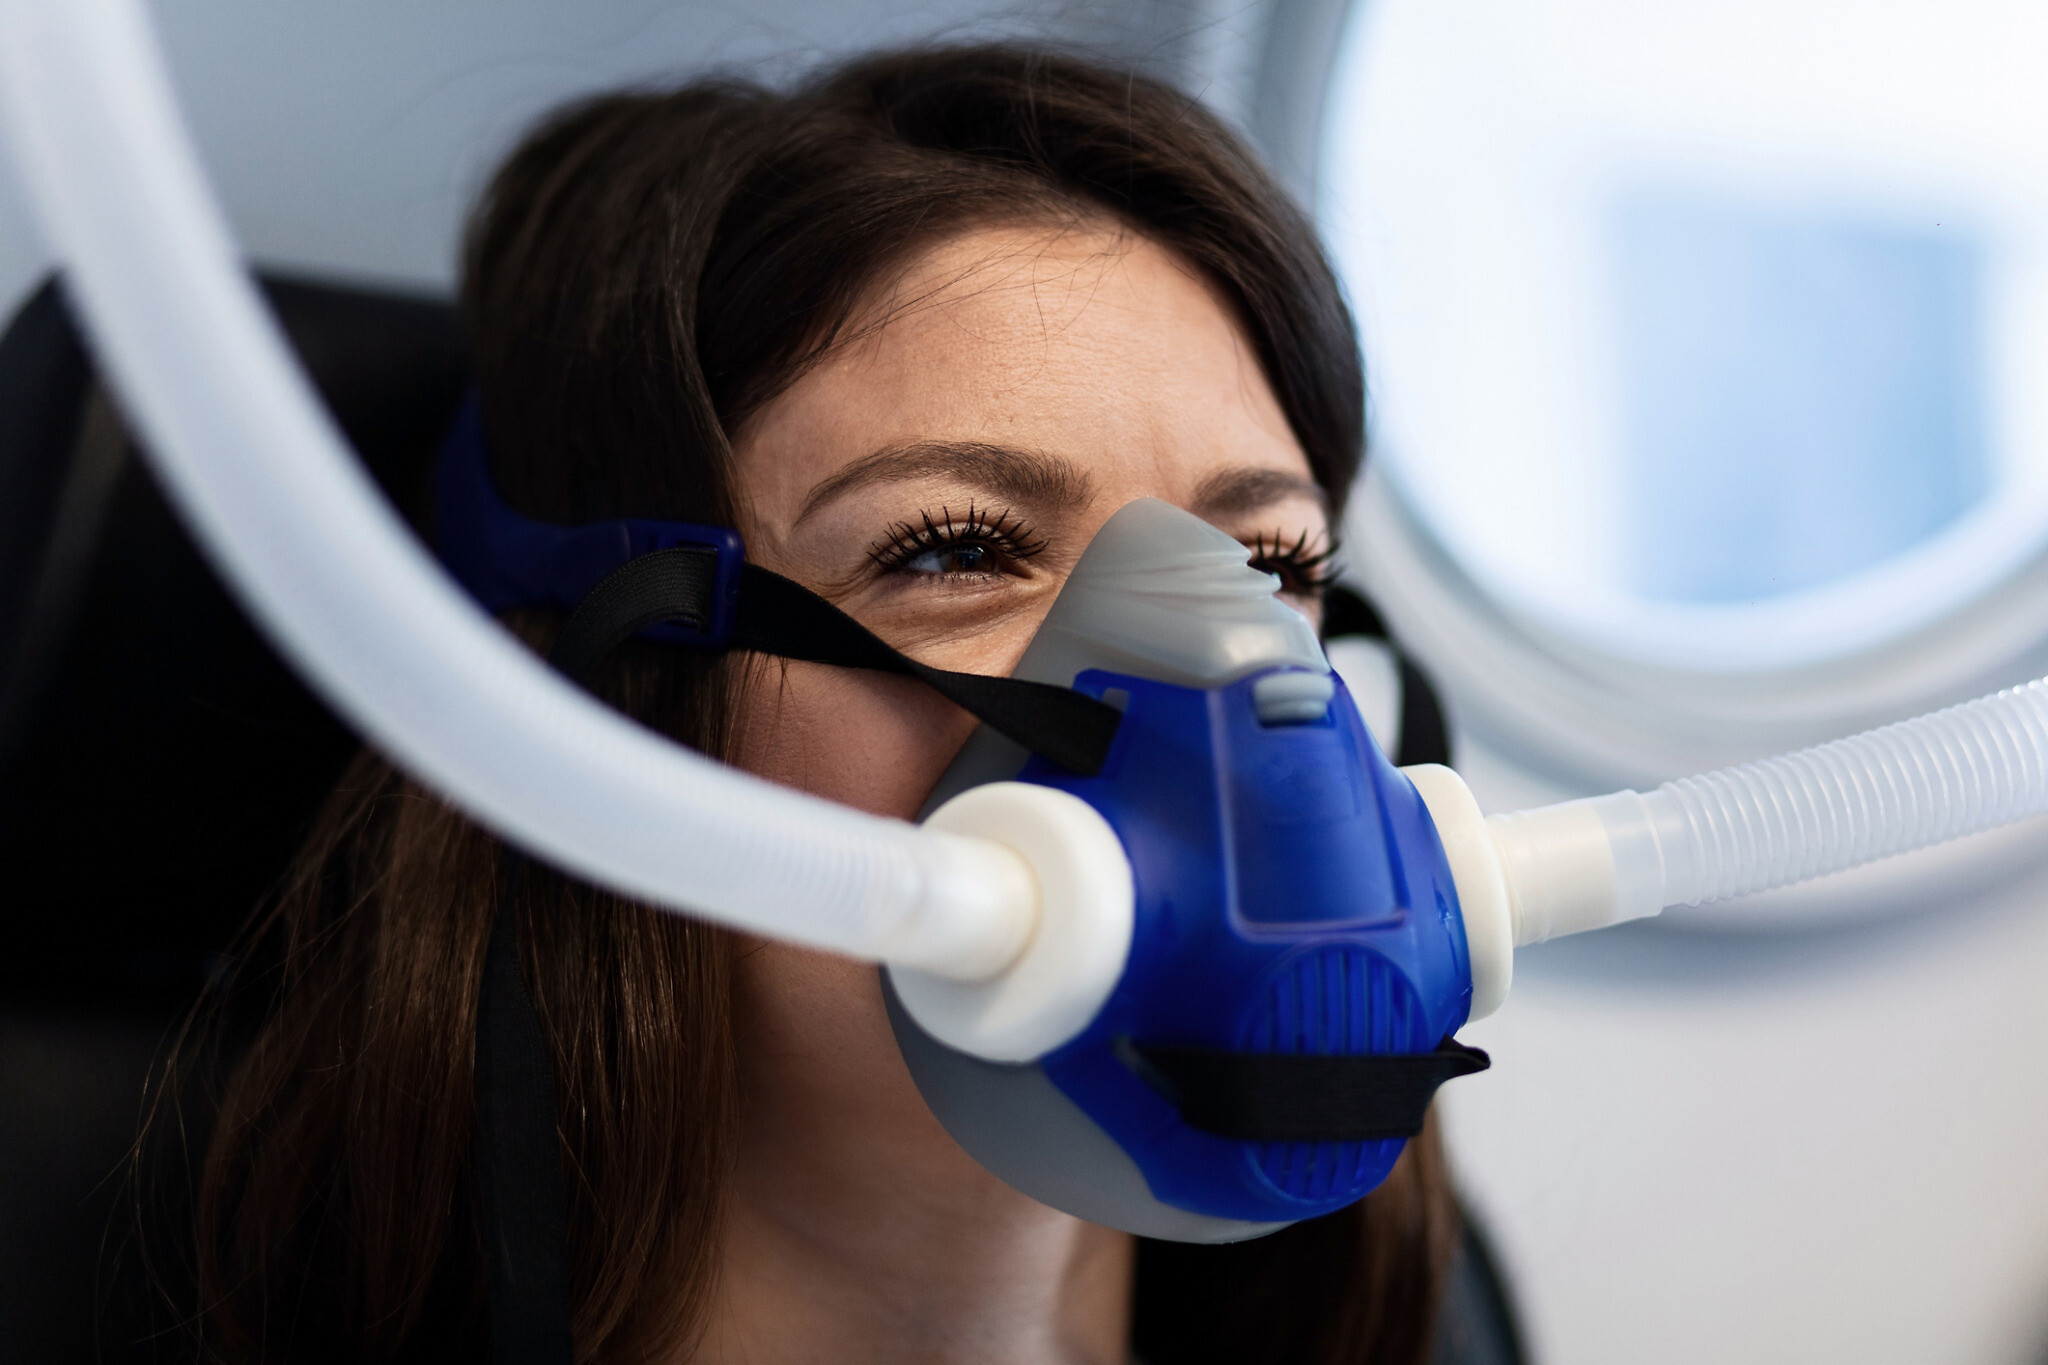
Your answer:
<point x="1709" y="334"/>
<point x="1706" y="344"/>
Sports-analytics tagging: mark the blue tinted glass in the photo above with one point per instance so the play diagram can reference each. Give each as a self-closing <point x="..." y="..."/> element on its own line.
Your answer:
<point x="1803" y="393"/>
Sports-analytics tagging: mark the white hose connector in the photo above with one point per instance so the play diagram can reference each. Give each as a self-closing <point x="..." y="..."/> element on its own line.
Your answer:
<point x="1587" y="864"/>
<point x="267" y="484"/>
<point x="1050" y="991"/>
<point x="1483" y="901"/>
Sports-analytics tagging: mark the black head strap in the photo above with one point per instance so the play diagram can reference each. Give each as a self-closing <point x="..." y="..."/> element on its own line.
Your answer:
<point x="784" y="618"/>
<point x="1424" y="737"/>
<point x="519" y="1155"/>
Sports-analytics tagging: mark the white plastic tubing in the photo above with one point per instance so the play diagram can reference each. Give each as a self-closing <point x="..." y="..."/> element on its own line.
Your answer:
<point x="259" y="470"/>
<point x="1750" y="828"/>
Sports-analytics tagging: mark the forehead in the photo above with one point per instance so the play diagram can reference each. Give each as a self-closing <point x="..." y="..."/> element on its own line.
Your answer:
<point x="1085" y="342"/>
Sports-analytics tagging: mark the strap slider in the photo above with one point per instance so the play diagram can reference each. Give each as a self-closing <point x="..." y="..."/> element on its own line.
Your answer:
<point x="725" y="553"/>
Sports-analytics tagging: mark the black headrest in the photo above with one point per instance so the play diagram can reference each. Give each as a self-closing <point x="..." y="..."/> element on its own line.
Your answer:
<point x="158" y="762"/>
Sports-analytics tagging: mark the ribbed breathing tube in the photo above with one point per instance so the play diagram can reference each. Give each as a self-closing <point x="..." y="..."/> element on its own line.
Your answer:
<point x="1536" y="874"/>
<point x="1762" y="825"/>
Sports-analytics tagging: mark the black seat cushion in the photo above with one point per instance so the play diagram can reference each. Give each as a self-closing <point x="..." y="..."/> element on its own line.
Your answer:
<point x="158" y="766"/>
<point x="159" y="760"/>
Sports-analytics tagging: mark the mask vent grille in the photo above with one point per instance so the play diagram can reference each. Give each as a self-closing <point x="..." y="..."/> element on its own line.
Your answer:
<point x="1344" y="1000"/>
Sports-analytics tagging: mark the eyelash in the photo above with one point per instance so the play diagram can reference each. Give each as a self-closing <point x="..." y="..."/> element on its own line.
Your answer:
<point x="1002" y="532"/>
<point x="1301" y="569"/>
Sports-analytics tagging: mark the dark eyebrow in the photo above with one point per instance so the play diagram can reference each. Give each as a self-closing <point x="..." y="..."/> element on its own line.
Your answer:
<point x="1233" y="492"/>
<point x="1032" y="477"/>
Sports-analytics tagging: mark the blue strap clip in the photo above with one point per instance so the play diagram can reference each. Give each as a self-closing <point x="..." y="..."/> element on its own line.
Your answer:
<point x="508" y="560"/>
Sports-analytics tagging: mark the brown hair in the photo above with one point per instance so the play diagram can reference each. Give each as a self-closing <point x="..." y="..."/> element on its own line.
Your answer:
<point x="646" y="270"/>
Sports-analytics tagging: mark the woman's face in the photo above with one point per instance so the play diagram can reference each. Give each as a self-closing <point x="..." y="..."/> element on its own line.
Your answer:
<point x="937" y="478"/>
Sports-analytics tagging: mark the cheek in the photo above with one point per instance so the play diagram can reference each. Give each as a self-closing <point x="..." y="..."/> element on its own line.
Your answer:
<point x="830" y="1113"/>
<point x="813" y="1026"/>
<point x="867" y="740"/>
